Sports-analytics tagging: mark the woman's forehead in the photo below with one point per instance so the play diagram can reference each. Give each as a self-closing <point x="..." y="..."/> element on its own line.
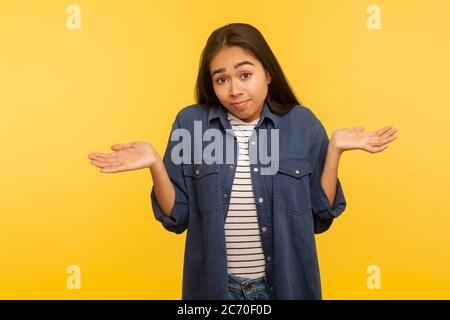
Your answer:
<point x="232" y="58"/>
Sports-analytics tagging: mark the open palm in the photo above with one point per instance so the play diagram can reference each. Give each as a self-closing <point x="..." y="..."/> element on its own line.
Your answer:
<point x="126" y="156"/>
<point x="357" y="138"/>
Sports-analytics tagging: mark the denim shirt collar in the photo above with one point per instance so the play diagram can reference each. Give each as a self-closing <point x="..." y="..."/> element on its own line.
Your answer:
<point x="218" y="111"/>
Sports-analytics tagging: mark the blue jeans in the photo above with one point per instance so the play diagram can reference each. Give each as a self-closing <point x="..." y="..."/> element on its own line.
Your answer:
<point x="247" y="289"/>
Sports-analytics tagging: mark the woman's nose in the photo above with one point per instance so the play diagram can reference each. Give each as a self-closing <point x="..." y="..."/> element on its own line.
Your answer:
<point x="235" y="88"/>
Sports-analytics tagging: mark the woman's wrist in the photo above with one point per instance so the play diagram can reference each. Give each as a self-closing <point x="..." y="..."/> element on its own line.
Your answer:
<point x="334" y="149"/>
<point x="156" y="164"/>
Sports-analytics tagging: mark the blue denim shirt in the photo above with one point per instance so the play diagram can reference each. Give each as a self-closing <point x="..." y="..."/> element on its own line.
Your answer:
<point x="291" y="204"/>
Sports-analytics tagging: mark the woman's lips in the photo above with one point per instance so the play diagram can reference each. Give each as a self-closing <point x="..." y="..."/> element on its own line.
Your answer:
<point x="241" y="104"/>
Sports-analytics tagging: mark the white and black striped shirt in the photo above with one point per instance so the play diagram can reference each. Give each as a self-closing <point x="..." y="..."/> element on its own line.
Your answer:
<point x="245" y="254"/>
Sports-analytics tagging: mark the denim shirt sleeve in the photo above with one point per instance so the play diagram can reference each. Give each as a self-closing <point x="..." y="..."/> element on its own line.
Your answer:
<point x="323" y="212"/>
<point x="178" y="221"/>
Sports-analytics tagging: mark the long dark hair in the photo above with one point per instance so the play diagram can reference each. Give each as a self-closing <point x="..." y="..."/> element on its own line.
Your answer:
<point x="280" y="96"/>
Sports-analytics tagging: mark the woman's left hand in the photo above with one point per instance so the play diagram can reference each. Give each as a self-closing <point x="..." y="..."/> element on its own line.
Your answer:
<point x="356" y="138"/>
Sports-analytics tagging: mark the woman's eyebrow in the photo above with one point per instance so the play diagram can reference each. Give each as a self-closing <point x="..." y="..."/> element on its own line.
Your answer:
<point x="237" y="65"/>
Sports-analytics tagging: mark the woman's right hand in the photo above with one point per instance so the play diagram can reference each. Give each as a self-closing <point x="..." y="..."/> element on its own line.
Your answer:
<point x="126" y="156"/>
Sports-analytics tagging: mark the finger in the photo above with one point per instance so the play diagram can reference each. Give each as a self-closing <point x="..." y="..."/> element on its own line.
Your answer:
<point x="103" y="157"/>
<point x="376" y="142"/>
<point x="390" y="132"/>
<point x="110" y="161"/>
<point x="384" y="130"/>
<point x="121" y="146"/>
<point x="97" y="155"/>
<point x="104" y="164"/>
<point x="359" y="129"/>
<point x="112" y="169"/>
<point x="379" y="149"/>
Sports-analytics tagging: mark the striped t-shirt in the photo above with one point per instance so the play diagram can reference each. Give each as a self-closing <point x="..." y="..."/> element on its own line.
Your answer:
<point x="245" y="255"/>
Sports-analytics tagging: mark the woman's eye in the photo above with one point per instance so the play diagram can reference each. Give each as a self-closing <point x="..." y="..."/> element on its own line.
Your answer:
<point x="244" y="73"/>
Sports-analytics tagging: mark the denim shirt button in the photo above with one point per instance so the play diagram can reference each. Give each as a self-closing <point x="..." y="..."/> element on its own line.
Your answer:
<point x="260" y="200"/>
<point x="225" y="195"/>
<point x="197" y="172"/>
<point x="264" y="229"/>
<point x="231" y="167"/>
<point x="255" y="169"/>
<point x="297" y="172"/>
<point x="269" y="259"/>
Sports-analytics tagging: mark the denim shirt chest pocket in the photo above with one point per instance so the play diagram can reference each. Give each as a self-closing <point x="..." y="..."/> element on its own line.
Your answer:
<point x="292" y="186"/>
<point x="203" y="185"/>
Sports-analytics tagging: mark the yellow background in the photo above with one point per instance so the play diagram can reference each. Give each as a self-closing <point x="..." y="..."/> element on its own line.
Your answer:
<point x="129" y="70"/>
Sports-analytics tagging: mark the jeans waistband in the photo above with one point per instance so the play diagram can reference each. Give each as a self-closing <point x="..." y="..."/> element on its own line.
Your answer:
<point x="247" y="284"/>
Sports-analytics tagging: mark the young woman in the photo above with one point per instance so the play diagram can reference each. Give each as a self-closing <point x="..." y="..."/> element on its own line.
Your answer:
<point x="250" y="235"/>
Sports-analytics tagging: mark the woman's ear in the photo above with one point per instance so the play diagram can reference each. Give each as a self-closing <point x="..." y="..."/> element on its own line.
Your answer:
<point x="269" y="78"/>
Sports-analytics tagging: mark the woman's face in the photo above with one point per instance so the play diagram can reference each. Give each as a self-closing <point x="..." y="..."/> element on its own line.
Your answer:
<point x="237" y="76"/>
